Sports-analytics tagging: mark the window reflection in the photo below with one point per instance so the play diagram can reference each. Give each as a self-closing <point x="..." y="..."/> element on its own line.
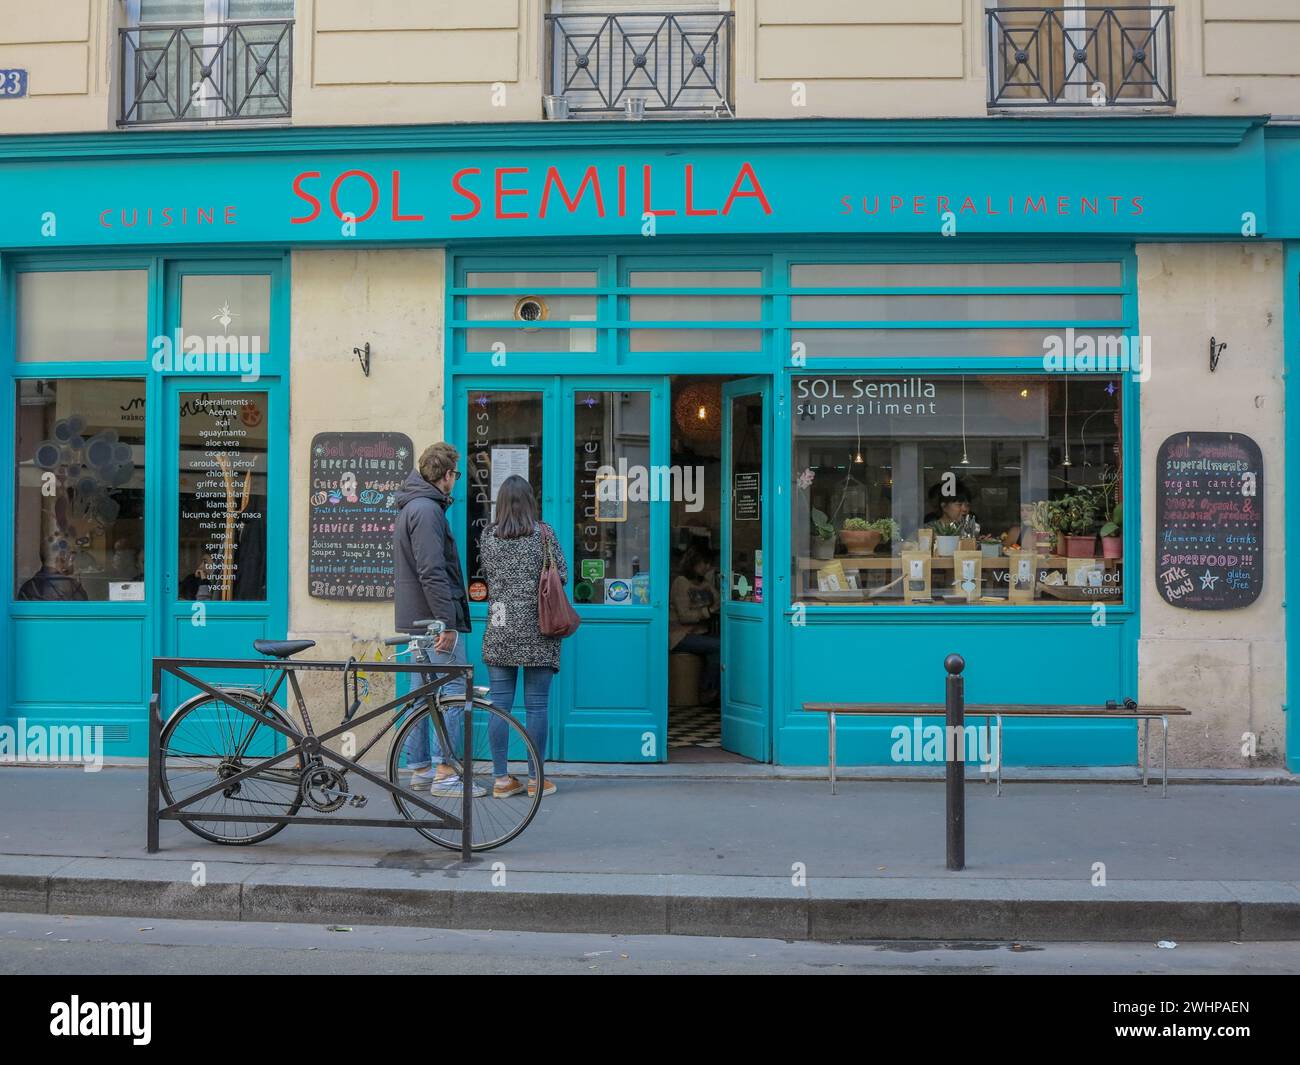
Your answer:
<point x="79" y="520"/>
<point x="505" y="438"/>
<point x="958" y="489"/>
<point x="222" y="496"/>
<point x="611" y="520"/>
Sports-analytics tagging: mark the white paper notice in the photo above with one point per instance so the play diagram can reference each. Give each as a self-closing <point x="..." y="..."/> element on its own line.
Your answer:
<point x="506" y="462"/>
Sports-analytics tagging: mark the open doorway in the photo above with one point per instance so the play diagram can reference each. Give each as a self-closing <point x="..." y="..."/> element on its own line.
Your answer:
<point x="697" y="574"/>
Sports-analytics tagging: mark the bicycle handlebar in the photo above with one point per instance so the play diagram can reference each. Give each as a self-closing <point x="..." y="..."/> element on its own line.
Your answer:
<point x="433" y="627"/>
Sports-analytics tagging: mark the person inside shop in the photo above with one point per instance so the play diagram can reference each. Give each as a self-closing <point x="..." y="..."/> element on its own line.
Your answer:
<point x="125" y="563"/>
<point x="692" y="605"/>
<point x="56" y="580"/>
<point x="199" y="584"/>
<point x="951" y="509"/>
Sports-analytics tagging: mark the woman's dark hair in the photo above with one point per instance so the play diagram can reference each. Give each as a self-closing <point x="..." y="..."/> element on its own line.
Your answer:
<point x="516" y="509"/>
<point x="959" y="494"/>
<point x="693" y="557"/>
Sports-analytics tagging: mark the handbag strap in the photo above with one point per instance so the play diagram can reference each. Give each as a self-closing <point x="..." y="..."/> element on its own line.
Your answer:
<point x="547" y="561"/>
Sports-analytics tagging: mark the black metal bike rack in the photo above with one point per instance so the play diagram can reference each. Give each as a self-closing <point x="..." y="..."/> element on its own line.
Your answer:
<point x="312" y="746"/>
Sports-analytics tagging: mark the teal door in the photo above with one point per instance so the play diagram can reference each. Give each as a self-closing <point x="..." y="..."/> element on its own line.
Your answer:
<point x="612" y="692"/>
<point x="746" y="597"/>
<point x="225" y="528"/>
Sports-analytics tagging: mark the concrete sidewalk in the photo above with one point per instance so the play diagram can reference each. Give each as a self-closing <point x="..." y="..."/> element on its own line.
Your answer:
<point x="704" y="853"/>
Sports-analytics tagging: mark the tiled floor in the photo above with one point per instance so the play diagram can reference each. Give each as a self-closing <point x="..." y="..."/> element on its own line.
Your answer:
<point x="694" y="726"/>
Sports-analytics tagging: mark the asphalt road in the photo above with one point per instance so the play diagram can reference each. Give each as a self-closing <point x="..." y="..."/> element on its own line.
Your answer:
<point x="38" y="944"/>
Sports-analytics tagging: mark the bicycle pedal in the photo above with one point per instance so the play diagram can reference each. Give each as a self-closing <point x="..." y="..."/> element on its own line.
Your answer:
<point x="357" y="801"/>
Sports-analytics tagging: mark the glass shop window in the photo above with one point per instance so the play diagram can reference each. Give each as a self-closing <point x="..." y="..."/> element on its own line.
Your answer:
<point x="232" y="312"/>
<point x="991" y="489"/>
<point x="79" y="532"/>
<point x="611" y="512"/>
<point x="504" y="440"/>
<point x="222" y="496"/>
<point x="82" y="315"/>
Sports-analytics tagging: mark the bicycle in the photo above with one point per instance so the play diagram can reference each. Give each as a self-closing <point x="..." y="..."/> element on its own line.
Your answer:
<point x="223" y="742"/>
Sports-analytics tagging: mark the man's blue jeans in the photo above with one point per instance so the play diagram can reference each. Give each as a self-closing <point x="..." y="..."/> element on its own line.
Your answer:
<point x="537" y="689"/>
<point x="423" y="740"/>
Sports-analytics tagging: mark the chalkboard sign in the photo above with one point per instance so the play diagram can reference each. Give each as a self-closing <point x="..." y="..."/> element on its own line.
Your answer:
<point x="1209" y="521"/>
<point x="354" y="482"/>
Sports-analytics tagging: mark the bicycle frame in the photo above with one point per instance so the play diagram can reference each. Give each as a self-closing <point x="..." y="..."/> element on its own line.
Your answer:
<point x="306" y="742"/>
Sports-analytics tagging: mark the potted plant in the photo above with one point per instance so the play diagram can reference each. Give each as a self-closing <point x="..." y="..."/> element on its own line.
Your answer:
<point x="1112" y="515"/>
<point x="990" y="546"/>
<point x="858" y="536"/>
<point x="1112" y="534"/>
<point x="947" y="537"/>
<point x="887" y="527"/>
<point x="1047" y="524"/>
<point x="1079" y="524"/>
<point x="823" y="535"/>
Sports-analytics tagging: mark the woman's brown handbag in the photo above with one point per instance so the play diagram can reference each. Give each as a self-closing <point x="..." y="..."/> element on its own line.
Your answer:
<point x="555" y="614"/>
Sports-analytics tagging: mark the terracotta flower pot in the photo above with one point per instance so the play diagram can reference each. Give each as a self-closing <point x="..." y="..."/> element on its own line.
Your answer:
<point x="1080" y="546"/>
<point x="1112" y="546"/>
<point x="860" y="541"/>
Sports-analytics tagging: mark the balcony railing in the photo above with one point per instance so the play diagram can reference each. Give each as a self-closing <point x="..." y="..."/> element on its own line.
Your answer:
<point x="1076" y="57"/>
<point x="652" y="62"/>
<point x="206" y="72"/>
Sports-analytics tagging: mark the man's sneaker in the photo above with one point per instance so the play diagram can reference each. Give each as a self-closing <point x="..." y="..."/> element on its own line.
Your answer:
<point x="450" y="786"/>
<point x="422" y="778"/>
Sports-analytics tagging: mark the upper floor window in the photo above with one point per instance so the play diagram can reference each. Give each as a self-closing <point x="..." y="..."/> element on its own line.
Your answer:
<point x="638" y="57"/>
<point x="206" y="60"/>
<point x="1075" y="53"/>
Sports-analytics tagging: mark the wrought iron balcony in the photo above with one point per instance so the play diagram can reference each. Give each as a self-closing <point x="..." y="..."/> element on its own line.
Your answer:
<point x="1076" y="57"/>
<point x="652" y="62"/>
<point x="206" y="72"/>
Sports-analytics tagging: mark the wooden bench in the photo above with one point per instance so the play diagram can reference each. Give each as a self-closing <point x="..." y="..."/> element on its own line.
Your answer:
<point x="991" y="712"/>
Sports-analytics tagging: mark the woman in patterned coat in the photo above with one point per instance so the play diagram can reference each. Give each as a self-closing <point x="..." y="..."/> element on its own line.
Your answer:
<point x="511" y="551"/>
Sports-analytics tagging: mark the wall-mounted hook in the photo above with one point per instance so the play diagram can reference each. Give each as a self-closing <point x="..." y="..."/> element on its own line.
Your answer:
<point x="1215" y="351"/>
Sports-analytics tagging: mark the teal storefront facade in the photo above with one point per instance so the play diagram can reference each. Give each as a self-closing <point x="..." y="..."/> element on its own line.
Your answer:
<point x="597" y="278"/>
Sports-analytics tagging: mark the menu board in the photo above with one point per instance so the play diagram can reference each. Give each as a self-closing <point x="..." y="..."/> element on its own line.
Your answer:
<point x="1209" y="521"/>
<point x="354" y="483"/>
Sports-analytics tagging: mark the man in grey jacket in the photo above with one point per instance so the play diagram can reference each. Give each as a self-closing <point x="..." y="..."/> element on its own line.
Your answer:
<point x="430" y="583"/>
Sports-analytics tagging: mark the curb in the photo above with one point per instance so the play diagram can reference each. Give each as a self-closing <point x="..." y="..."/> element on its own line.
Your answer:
<point x="826" y="909"/>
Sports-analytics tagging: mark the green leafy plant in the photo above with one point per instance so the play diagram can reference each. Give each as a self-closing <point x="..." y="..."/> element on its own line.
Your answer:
<point x="1115" y="525"/>
<point x="1104" y="494"/>
<point x="947" y="528"/>
<point x="1079" y="513"/>
<point x="857" y="525"/>
<point x="821" y="525"/>
<point x="887" y="527"/>
<point x="989" y="538"/>
<point x="1048" y="515"/>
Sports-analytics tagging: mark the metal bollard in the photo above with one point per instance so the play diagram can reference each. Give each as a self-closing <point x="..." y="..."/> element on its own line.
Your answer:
<point x="955" y="759"/>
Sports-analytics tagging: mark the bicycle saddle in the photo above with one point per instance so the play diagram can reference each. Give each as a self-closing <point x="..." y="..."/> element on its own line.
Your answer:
<point x="281" y="648"/>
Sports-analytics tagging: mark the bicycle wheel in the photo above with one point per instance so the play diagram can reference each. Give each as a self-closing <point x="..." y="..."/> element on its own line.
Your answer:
<point x="209" y="740"/>
<point x="494" y="821"/>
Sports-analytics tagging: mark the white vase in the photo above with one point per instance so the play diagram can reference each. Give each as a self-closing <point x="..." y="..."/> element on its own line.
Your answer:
<point x="945" y="545"/>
